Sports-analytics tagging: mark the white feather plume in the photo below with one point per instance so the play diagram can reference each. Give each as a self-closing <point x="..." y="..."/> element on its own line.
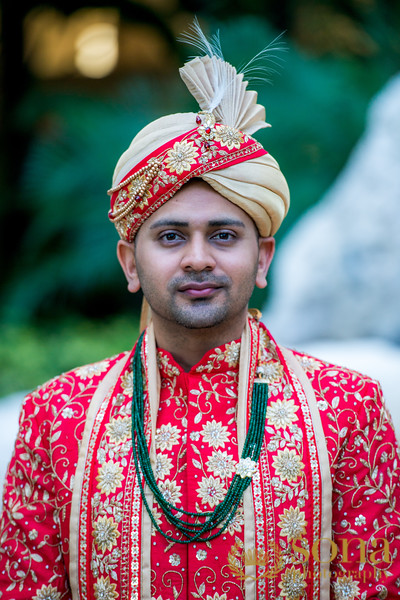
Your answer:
<point x="219" y="88"/>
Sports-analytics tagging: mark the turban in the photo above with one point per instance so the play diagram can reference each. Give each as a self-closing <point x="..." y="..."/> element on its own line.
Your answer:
<point x="216" y="145"/>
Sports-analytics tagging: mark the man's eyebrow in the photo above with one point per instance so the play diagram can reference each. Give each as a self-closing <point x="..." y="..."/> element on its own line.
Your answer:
<point x="169" y="223"/>
<point x="226" y="223"/>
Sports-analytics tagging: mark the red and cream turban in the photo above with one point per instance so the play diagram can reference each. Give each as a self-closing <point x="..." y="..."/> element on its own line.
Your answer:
<point x="215" y="145"/>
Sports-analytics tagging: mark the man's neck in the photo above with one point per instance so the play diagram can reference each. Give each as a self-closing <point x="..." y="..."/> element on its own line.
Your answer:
<point x="188" y="346"/>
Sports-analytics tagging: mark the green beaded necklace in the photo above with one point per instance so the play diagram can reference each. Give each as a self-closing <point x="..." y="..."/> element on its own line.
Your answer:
<point x="197" y="526"/>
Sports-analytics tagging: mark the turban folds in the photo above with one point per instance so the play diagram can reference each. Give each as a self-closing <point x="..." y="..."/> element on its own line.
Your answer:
<point x="171" y="150"/>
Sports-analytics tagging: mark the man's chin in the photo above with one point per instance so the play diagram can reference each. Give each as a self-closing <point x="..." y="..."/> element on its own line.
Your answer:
<point x="199" y="324"/>
<point x="201" y="320"/>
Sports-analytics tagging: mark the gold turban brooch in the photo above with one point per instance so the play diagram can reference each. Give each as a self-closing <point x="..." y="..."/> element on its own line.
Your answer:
<point x="216" y="145"/>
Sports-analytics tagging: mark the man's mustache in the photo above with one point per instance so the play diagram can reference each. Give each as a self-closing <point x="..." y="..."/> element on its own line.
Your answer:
<point x="200" y="278"/>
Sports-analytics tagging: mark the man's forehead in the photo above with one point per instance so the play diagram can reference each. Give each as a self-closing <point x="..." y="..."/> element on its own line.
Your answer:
<point x="200" y="197"/>
<point x="197" y="204"/>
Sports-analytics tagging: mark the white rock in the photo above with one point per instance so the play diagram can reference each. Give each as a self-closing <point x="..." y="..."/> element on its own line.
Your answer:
<point x="9" y="412"/>
<point x="337" y="273"/>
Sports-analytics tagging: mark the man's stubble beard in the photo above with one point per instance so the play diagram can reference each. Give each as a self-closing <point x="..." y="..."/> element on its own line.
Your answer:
<point x="199" y="313"/>
<point x="189" y="316"/>
<point x="198" y="316"/>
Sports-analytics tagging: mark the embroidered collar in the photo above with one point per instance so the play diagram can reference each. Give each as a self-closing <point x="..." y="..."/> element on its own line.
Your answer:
<point x="222" y="358"/>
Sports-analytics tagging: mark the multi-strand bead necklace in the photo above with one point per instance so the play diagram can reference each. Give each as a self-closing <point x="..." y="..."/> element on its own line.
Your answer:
<point x="196" y="526"/>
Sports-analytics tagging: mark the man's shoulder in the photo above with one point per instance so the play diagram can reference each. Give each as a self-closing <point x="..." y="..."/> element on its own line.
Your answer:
<point x="78" y="383"/>
<point x="343" y="393"/>
<point x="324" y="375"/>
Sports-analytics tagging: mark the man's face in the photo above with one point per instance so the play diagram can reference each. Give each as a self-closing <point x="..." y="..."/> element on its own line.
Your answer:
<point x="197" y="259"/>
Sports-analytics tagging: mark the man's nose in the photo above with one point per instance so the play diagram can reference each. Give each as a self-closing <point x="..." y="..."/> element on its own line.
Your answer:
<point x="197" y="255"/>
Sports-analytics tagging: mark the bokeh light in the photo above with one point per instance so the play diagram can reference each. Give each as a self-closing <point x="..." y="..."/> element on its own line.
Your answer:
<point x="97" y="50"/>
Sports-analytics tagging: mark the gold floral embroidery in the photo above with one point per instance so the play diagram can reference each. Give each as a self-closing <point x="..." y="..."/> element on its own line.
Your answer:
<point x="229" y="137"/>
<point x="121" y="200"/>
<point x="47" y="592"/>
<point x="171" y="491"/>
<point x="215" y="434"/>
<point x="167" y="436"/>
<point x="310" y="364"/>
<point x="169" y="370"/>
<point x="163" y="466"/>
<point x="346" y="588"/>
<point x="109" y="478"/>
<point x="127" y="384"/>
<point x="271" y="371"/>
<point x="221" y="464"/>
<point x="232" y="353"/>
<point x="211" y="490"/>
<point x="93" y="369"/>
<point x="181" y="157"/>
<point x="105" y="533"/>
<point x="105" y="590"/>
<point x="216" y="597"/>
<point x="119" y="429"/>
<point x="292" y="523"/>
<point x="229" y="354"/>
<point x="292" y="584"/>
<point x="288" y="465"/>
<point x="123" y="226"/>
<point x="236" y="524"/>
<point x="282" y="413"/>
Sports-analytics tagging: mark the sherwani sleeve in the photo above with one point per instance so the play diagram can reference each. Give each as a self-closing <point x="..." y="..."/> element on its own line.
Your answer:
<point x="366" y="494"/>
<point x="31" y="556"/>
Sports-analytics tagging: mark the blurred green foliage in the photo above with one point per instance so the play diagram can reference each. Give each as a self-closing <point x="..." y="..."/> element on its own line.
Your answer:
<point x="31" y="355"/>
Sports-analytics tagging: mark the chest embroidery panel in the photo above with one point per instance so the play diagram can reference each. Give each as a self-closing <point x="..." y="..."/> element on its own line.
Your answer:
<point x="109" y="544"/>
<point x="286" y="491"/>
<point x="286" y="494"/>
<point x="196" y="457"/>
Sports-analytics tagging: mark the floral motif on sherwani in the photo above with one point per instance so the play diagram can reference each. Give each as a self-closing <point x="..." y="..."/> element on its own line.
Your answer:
<point x="74" y="526"/>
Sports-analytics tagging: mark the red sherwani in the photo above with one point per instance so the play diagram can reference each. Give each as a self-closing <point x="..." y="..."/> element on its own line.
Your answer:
<point x="320" y="519"/>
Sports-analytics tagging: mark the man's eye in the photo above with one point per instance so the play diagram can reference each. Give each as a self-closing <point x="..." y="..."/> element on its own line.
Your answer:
<point x="224" y="235"/>
<point x="169" y="236"/>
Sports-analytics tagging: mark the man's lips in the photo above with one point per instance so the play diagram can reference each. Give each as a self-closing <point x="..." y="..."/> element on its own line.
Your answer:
<point x="199" y="290"/>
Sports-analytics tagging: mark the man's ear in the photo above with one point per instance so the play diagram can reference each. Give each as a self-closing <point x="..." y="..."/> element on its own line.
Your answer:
<point x="126" y="257"/>
<point x="265" y="256"/>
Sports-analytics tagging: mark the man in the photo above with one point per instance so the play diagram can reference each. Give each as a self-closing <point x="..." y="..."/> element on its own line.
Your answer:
<point x="208" y="462"/>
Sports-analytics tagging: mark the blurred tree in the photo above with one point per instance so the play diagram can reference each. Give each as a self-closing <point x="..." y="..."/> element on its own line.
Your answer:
<point x="51" y="155"/>
<point x="15" y="81"/>
<point x="68" y="253"/>
<point x="351" y="27"/>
